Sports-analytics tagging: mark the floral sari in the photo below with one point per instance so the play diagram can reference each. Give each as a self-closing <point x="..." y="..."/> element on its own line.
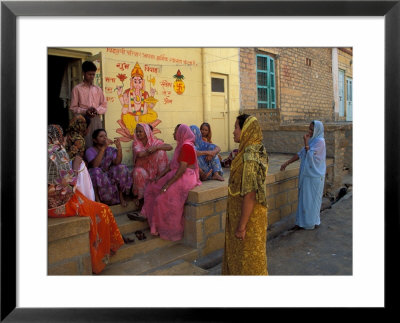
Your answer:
<point x="149" y="167"/>
<point x="201" y="145"/>
<point x="65" y="200"/>
<point x="108" y="177"/>
<point x="248" y="174"/>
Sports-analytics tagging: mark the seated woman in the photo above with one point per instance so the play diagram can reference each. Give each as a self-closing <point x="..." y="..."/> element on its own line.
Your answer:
<point x="65" y="200"/>
<point x="75" y="146"/>
<point x="110" y="178"/>
<point x="206" y="134"/>
<point x="165" y="198"/>
<point x="149" y="159"/>
<point x="207" y="157"/>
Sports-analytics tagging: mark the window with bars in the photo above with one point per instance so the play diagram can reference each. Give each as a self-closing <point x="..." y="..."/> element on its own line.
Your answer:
<point x="266" y="91"/>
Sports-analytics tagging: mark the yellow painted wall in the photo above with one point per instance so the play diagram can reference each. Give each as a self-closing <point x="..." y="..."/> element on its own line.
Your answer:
<point x="159" y="66"/>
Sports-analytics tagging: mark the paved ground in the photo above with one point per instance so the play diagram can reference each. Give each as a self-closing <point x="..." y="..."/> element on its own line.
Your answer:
<point x="323" y="251"/>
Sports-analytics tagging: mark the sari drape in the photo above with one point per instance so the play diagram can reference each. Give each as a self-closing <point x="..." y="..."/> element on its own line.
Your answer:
<point x="149" y="167"/>
<point x="75" y="146"/>
<point x="248" y="174"/>
<point x="107" y="178"/>
<point x="201" y="145"/>
<point x="311" y="179"/>
<point x="164" y="211"/>
<point x="65" y="200"/>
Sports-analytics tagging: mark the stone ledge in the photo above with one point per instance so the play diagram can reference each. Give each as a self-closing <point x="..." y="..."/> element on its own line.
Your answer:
<point x="209" y="190"/>
<point x="60" y="228"/>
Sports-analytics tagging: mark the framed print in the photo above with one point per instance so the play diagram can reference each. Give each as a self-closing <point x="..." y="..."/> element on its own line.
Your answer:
<point x="177" y="20"/>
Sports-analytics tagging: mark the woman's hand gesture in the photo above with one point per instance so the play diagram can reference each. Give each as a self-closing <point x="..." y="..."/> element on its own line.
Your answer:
<point x="240" y="234"/>
<point x="117" y="143"/>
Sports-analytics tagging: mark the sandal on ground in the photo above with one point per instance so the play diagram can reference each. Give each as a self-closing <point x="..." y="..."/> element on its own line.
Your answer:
<point x="136" y="216"/>
<point x="140" y="235"/>
<point x="128" y="240"/>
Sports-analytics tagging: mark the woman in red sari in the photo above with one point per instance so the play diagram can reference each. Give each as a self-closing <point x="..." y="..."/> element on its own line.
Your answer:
<point x="149" y="159"/>
<point x="65" y="200"/>
<point x="165" y="198"/>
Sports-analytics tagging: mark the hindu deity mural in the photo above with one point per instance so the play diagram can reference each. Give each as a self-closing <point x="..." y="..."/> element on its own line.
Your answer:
<point x="137" y="104"/>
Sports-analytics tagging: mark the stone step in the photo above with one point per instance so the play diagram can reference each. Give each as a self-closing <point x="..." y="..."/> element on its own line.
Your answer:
<point x="151" y="261"/>
<point x="127" y="226"/>
<point x="139" y="247"/>
<point x="118" y="209"/>
<point x="179" y="268"/>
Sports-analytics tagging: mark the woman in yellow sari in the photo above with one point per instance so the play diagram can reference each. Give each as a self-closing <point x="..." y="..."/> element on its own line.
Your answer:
<point x="246" y="219"/>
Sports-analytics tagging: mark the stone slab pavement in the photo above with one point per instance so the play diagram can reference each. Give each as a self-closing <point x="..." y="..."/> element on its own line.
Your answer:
<point x="326" y="250"/>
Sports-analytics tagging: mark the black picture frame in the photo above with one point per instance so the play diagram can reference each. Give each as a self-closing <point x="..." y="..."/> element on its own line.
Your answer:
<point x="10" y="10"/>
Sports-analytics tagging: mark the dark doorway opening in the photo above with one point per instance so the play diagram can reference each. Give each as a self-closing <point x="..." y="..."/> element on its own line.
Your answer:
<point x="58" y="90"/>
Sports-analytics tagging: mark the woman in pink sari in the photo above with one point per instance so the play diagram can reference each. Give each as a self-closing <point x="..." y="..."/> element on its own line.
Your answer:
<point x="164" y="199"/>
<point x="149" y="159"/>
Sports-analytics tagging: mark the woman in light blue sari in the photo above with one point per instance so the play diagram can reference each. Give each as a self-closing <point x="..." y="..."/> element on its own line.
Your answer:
<point x="311" y="177"/>
<point x="207" y="157"/>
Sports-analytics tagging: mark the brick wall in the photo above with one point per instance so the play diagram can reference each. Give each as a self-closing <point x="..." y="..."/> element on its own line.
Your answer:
<point x="303" y="82"/>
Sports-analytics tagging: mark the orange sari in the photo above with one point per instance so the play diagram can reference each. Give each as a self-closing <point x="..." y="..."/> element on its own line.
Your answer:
<point x="104" y="234"/>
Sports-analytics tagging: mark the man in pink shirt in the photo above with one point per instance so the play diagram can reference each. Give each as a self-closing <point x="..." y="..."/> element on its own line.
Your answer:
<point x="88" y="99"/>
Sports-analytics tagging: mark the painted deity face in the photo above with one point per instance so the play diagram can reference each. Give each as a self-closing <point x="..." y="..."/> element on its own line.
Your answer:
<point x="89" y="76"/>
<point x="311" y="129"/>
<point x="237" y="132"/>
<point x="204" y="131"/>
<point x="140" y="133"/>
<point x="137" y="82"/>
<point x="101" y="138"/>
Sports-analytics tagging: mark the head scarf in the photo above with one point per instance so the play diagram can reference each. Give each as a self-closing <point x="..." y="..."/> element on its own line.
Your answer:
<point x="313" y="162"/>
<point x="183" y="136"/>
<point x="75" y="144"/>
<point x="56" y="150"/>
<point x="318" y="131"/>
<point x="138" y="146"/>
<point x="250" y="166"/>
<point x="200" y="144"/>
<point x="61" y="177"/>
<point x="54" y="134"/>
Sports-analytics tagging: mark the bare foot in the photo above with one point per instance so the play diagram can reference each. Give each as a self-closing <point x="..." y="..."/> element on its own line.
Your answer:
<point x="122" y="200"/>
<point x="205" y="176"/>
<point x="218" y="177"/>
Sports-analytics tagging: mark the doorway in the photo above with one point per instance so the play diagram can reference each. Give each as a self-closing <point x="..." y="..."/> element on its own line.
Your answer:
<point x="349" y="100"/>
<point x="63" y="73"/>
<point x="219" y="110"/>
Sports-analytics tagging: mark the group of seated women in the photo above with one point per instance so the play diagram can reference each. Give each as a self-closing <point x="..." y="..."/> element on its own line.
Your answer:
<point x="85" y="182"/>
